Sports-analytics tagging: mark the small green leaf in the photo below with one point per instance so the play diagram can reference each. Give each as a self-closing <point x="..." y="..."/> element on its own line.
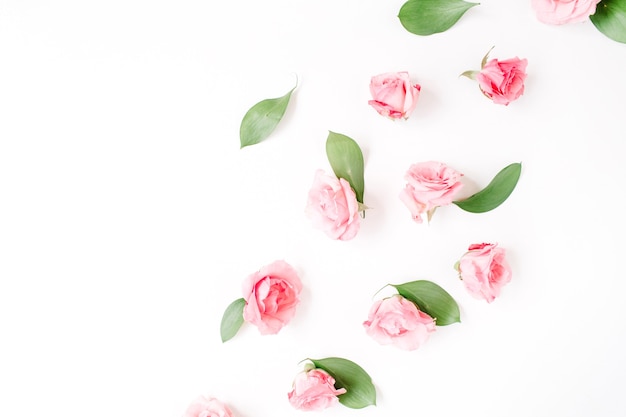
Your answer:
<point x="494" y="194"/>
<point x="262" y="119"/>
<point x="470" y="74"/>
<point x="232" y="319"/>
<point x="360" y="391"/>
<point x="432" y="300"/>
<point x="425" y="17"/>
<point x="485" y="58"/>
<point x="610" y="19"/>
<point x="346" y="160"/>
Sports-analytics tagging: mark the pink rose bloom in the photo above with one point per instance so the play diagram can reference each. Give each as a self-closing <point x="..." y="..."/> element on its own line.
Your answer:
<point x="558" y="12"/>
<point x="429" y="185"/>
<point x="484" y="270"/>
<point x="207" y="407"/>
<point x="393" y="94"/>
<point x="397" y="321"/>
<point x="332" y="206"/>
<point x="503" y="81"/>
<point x="271" y="295"/>
<point x="314" y="390"/>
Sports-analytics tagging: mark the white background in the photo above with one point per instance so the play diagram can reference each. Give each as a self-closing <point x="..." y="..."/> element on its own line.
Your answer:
<point x="129" y="216"/>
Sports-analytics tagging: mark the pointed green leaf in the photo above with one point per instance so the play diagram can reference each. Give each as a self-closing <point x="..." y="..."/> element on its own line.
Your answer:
<point x="232" y="319"/>
<point x="494" y="194"/>
<point x="470" y="74"/>
<point x="432" y="300"/>
<point x="425" y="17"/>
<point x="485" y="58"/>
<point x="360" y="391"/>
<point x="262" y="119"/>
<point x="346" y="160"/>
<point x="610" y="19"/>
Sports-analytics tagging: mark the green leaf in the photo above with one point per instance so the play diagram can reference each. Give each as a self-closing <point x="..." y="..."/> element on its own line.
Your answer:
<point x="262" y="119"/>
<point x="360" y="391"/>
<point x="425" y="17"/>
<point x="485" y="58"/>
<point x="232" y="319"/>
<point x="470" y="74"/>
<point x="432" y="300"/>
<point x="346" y="160"/>
<point x="610" y="19"/>
<point x="494" y="194"/>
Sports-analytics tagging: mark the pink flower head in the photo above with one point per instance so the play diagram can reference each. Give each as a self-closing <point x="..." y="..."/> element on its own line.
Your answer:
<point x="558" y="12"/>
<point x="271" y="295"/>
<point x="332" y="207"/>
<point x="484" y="270"/>
<point x="393" y="95"/>
<point x="397" y="321"/>
<point x="503" y="81"/>
<point x="207" y="407"/>
<point x="314" y="390"/>
<point x="429" y="185"/>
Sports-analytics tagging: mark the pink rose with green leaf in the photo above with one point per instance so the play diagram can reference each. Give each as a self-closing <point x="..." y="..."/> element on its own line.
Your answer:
<point x="397" y="321"/>
<point x="271" y="295"/>
<point x="502" y="81"/>
<point x="270" y="298"/>
<point x="314" y="389"/>
<point x="332" y="207"/>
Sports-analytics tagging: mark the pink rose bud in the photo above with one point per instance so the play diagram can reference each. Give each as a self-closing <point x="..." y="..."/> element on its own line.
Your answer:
<point x="503" y="81"/>
<point x="393" y="95"/>
<point x="314" y="390"/>
<point x="558" y="12"/>
<point x="429" y="185"/>
<point x="332" y="207"/>
<point x="484" y="270"/>
<point x="271" y="295"/>
<point x="207" y="407"/>
<point x="397" y="321"/>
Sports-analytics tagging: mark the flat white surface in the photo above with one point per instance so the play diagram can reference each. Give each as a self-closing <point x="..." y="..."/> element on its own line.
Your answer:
<point x="129" y="216"/>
